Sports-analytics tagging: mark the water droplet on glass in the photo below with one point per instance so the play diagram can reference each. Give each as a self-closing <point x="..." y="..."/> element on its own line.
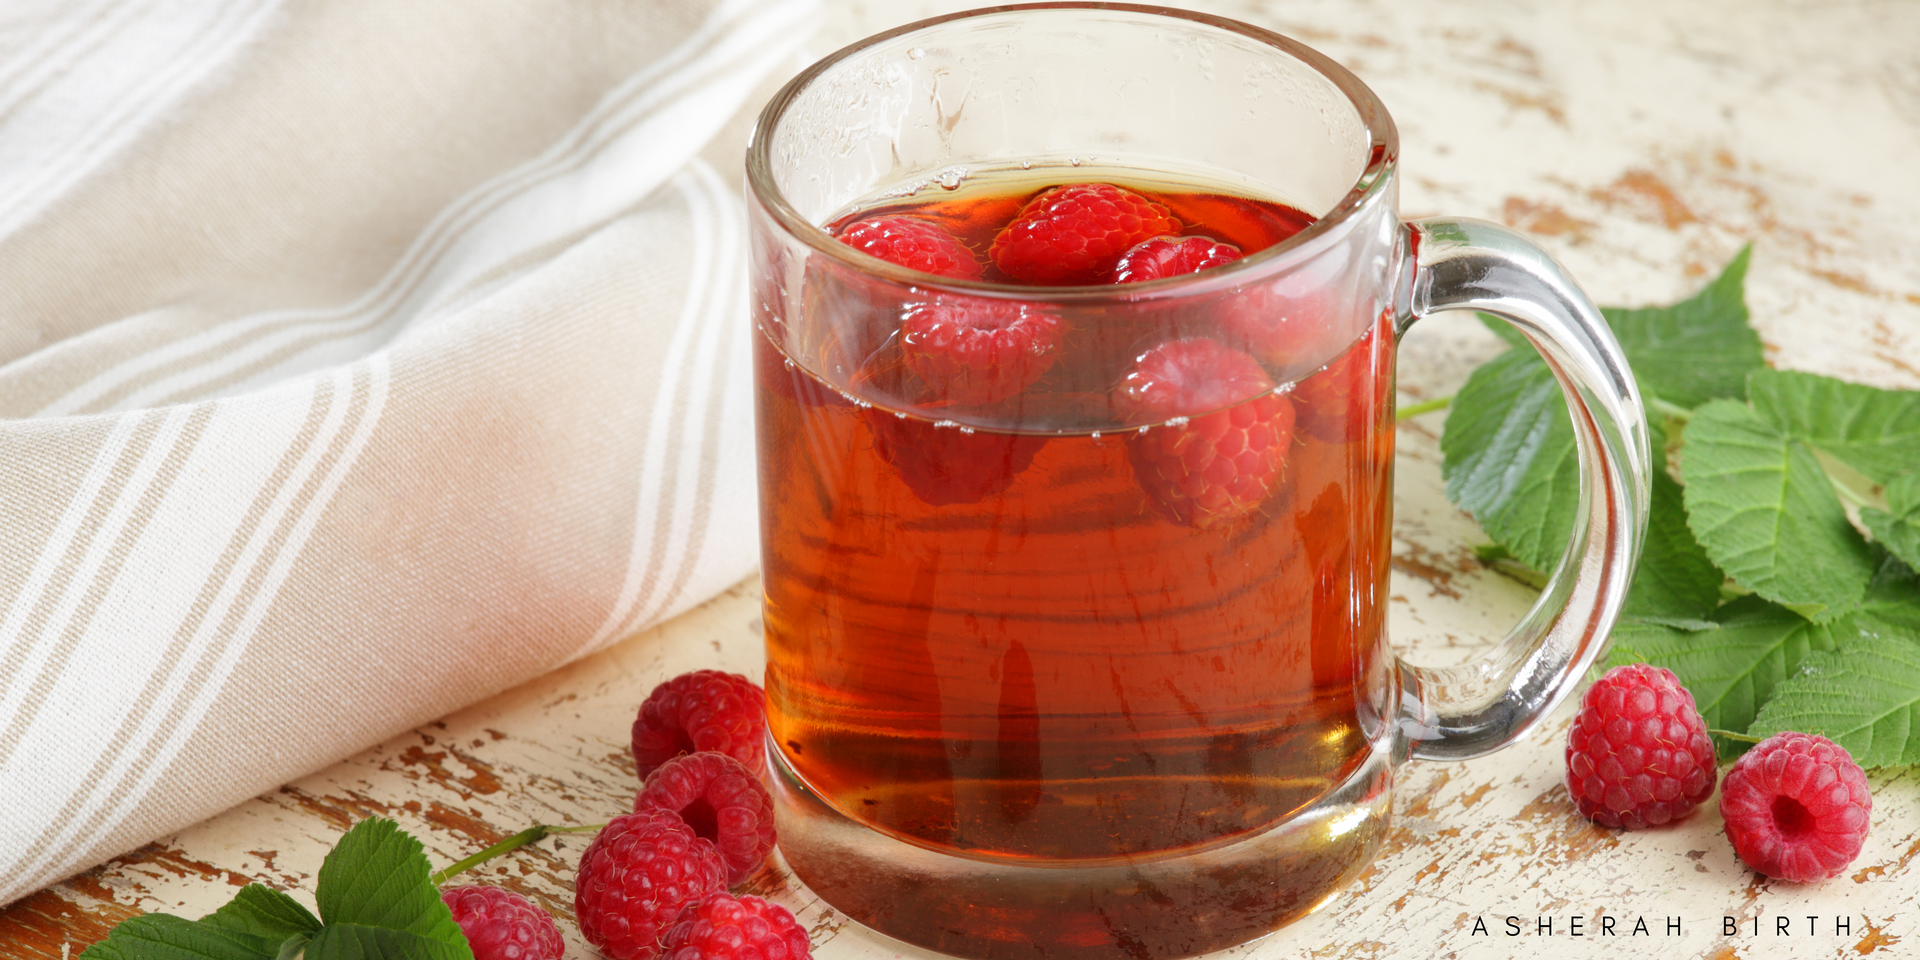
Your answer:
<point x="1026" y="164"/>
<point x="950" y="177"/>
<point x="1074" y="160"/>
<point x="915" y="53"/>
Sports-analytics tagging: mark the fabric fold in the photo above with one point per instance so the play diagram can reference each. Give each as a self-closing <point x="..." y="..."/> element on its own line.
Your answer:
<point x="357" y="361"/>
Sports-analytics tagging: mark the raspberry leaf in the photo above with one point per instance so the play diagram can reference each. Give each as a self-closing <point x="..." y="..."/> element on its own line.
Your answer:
<point x="1876" y="432"/>
<point x="1734" y="664"/>
<point x="353" y="941"/>
<point x="1898" y="527"/>
<point x="1696" y="350"/>
<point x="378" y="876"/>
<point x="1508" y="457"/>
<point x="161" y="937"/>
<point x="1864" y="696"/>
<point x="265" y="912"/>
<point x="1763" y="508"/>
<point x="1676" y="579"/>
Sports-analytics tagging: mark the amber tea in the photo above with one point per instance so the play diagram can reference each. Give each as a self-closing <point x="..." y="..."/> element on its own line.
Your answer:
<point x="993" y="633"/>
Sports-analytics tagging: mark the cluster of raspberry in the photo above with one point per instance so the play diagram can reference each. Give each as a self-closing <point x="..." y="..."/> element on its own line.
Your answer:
<point x="654" y="883"/>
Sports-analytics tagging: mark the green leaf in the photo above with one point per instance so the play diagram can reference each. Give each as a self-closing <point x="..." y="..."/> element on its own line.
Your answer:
<point x="1675" y="579"/>
<point x="377" y="876"/>
<point x="1767" y="515"/>
<point x="158" y="936"/>
<point x="264" y="912"/>
<point x="353" y="941"/>
<point x="1876" y="432"/>
<point x="1734" y="665"/>
<point x="1898" y="527"/>
<point x="1864" y="696"/>
<point x="1508" y="457"/>
<point x="1696" y="350"/>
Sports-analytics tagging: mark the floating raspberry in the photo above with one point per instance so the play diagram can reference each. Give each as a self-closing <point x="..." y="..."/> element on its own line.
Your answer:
<point x="722" y="801"/>
<point x="1075" y="234"/>
<point x="1345" y="400"/>
<point x="1797" y="807"/>
<point x="1638" y="754"/>
<point x="945" y="465"/>
<point x="1172" y="257"/>
<point x="1204" y="465"/>
<point x="973" y="350"/>
<point x="634" y="878"/>
<point x="702" y="710"/>
<point x="912" y="243"/>
<point x="726" y="927"/>
<point x="503" y="925"/>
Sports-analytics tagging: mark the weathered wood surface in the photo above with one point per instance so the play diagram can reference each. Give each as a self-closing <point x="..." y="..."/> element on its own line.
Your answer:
<point x="1644" y="143"/>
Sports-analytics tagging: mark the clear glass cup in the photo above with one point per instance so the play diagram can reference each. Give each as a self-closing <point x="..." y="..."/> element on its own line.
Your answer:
<point x="1031" y="690"/>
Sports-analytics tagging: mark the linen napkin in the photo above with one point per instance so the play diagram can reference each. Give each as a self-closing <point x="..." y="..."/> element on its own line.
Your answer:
<point x="358" y="360"/>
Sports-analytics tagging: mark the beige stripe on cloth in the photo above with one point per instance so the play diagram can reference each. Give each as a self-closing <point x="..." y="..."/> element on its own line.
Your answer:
<point x="358" y="360"/>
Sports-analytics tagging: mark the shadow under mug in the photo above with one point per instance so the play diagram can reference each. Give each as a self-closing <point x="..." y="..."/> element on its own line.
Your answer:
<point x="1026" y="696"/>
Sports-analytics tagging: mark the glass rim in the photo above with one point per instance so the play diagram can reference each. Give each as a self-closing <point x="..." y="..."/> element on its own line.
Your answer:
<point x="1382" y="138"/>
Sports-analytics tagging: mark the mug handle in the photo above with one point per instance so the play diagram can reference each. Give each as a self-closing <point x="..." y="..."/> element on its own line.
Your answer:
<point x="1453" y="263"/>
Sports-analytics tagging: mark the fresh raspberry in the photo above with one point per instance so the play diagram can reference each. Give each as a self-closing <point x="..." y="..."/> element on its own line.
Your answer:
<point x="912" y="243"/>
<point x="702" y="710"/>
<point x="1074" y="234"/>
<point x="725" y="927"/>
<point x="634" y="878"/>
<point x="1344" y="400"/>
<point x="973" y="350"/>
<point x="722" y="801"/>
<point x="1172" y="257"/>
<point x="503" y="925"/>
<point x="1638" y="754"/>
<point x="945" y="465"/>
<point x="1204" y="465"/>
<point x="1796" y="807"/>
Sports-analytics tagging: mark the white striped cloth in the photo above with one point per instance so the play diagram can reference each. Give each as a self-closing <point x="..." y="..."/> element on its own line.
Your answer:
<point x="358" y="360"/>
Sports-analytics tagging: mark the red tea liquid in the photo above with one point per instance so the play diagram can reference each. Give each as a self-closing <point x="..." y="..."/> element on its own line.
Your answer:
<point x="984" y="634"/>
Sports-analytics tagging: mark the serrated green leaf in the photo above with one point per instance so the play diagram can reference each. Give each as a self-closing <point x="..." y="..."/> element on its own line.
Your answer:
<point x="158" y="936"/>
<point x="353" y="941"/>
<point x="1898" y="527"/>
<point x="1508" y="457"/>
<point x="1675" y="579"/>
<point x="1764" y="511"/>
<point x="1876" y="432"/>
<point x="264" y="912"/>
<point x="1734" y="665"/>
<point x="1864" y="696"/>
<point x="378" y="876"/>
<point x="1696" y="350"/>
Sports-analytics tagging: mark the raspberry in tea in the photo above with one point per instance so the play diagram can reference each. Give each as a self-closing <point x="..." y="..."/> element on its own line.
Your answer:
<point x="1096" y="595"/>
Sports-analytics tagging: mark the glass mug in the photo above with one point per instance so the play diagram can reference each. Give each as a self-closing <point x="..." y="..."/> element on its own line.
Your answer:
<point x="1055" y="668"/>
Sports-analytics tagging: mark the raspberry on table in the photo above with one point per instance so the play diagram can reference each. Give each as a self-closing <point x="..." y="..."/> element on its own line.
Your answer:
<point x="976" y="350"/>
<point x="1797" y="807"/>
<point x="503" y="925"/>
<point x="912" y="243"/>
<point x="1172" y="257"/>
<point x="722" y="801"/>
<point x="726" y="927"/>
<point x="1074" y="234"/>
<point x="1638" y="755"/>
<point x="702" y="710"/>
<point x="1219" y="464"/>
<point x="635" y="877"/>
<point x="943" y="465"/>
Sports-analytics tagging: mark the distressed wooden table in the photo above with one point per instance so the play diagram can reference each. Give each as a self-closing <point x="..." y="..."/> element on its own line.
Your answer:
<point x="1644" y="143"/>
